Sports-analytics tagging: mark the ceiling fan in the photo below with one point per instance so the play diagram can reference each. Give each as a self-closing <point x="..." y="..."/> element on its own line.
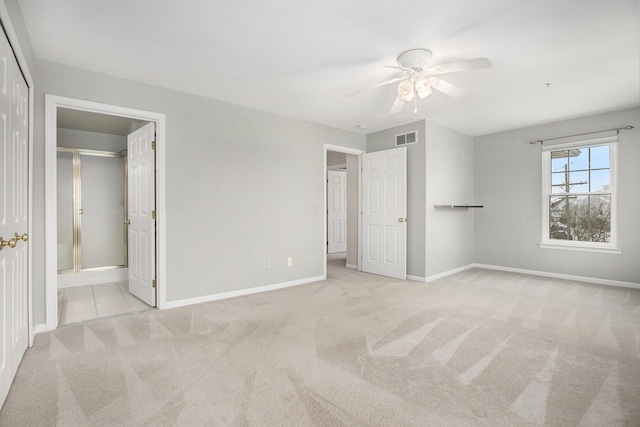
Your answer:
<point x="421" y="76"/>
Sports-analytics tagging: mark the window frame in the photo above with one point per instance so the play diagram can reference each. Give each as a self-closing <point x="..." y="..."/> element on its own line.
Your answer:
<point x="604" y="247"/>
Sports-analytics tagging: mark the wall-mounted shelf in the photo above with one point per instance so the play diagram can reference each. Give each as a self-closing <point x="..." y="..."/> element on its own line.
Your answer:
<point x="458" y="206"/>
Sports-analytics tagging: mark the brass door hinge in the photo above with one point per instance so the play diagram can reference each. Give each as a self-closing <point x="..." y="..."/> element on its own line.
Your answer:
<point x="153" y="145"/>
<point x="153" y="214"/>
<point x="153" y="283"/>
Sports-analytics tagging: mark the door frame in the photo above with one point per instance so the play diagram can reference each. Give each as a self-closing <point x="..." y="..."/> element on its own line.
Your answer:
<point x="346" y="150"/>
<point x="9" y="30"/>
<point x="52" y="103"/>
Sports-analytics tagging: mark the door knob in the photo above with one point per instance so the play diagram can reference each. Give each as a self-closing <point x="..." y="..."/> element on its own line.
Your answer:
<point x="127" y="222"/>
<point x="11" y="243"/>
<point x="24" y="237"/>
<point x="402" y="219"/>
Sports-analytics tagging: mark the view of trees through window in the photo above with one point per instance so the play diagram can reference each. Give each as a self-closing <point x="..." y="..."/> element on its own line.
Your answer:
<point x="580" y="199"/>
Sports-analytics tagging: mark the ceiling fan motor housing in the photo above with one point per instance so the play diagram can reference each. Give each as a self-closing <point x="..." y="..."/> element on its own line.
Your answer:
<point x="416" y="59"/>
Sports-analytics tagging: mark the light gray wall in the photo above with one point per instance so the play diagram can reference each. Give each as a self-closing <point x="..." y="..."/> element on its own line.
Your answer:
<point x="73" y="138"/>
<point x="336" y="159"/>
<point x="384" y="140"/>
<point x="244" y="187"/>
<point x="449" y="180"/>
<point x="352" y="209"/>
<point x="508" y="181"/>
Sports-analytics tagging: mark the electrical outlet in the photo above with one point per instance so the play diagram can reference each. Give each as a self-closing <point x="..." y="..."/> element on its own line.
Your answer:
<point x="289" y="262"/>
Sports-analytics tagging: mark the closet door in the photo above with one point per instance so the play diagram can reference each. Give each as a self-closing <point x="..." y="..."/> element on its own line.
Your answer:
<point x="13" y="216"/>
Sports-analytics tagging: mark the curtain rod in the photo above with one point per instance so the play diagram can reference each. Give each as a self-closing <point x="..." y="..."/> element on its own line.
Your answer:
<point x="541" y="141"/>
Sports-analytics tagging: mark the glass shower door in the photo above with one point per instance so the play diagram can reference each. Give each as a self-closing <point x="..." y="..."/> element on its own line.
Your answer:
<point x="66" y="212"/>
<point x="91" y="210"/>
<point x="102" y="229"/>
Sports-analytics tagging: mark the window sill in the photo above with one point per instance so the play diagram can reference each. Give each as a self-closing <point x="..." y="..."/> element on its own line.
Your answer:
<point x="580" y="248"/>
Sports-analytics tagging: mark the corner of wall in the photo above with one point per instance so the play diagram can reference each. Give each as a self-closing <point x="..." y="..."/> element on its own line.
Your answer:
<point x="449" y="180"/>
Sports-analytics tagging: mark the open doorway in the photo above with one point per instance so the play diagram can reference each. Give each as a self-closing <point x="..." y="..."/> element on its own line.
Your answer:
<point x="92" y="216"/>
<point x="98" y="157"/>
<point x="341" y="246"/>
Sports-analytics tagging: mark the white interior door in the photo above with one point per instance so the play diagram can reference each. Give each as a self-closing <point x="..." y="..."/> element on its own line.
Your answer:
<point x="141" y="213"/>
<point x="384" y="211"/>
<point x="337" y="211"/>
<point x="14" y="192"/>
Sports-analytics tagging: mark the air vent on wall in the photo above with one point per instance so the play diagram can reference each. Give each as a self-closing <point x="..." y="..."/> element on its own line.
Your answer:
<point x="406" y="138"/>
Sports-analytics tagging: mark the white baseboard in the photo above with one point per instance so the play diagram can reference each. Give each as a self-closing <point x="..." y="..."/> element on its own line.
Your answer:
<point x="415" y="278"/>
<point x="84" y="278"/>
<point x="447" y="273"/>
<point x="352" y="267"/>
<point x="241" y="292"/>
<point x="35" y="331"/>
<point x="559" y="276"/>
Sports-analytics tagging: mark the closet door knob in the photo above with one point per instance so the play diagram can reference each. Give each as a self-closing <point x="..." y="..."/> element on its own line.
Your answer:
<point x="24" y="237"/>
<point x="11" y="243"/>
<point x="4" y="243"/>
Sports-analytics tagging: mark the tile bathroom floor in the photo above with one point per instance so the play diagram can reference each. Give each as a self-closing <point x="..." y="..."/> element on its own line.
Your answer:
<point x="82" y="303"/>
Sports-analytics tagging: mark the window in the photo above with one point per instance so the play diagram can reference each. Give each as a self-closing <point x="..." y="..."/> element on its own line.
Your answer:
<point x="579" y="197"/>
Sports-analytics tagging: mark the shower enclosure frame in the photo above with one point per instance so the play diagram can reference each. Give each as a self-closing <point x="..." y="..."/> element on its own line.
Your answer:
<point x="76" y="195"/>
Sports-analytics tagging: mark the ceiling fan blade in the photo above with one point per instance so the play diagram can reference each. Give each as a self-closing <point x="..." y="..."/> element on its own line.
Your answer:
<point x="397" y="67"/>
<point x="454" y="67"/>
<point x="449" y="89"/>
<point x="397" y="105"/>
<point x="384" y="83"/>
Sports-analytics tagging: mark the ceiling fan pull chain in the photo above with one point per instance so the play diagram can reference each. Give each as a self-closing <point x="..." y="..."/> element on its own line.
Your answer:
<point x="415" y="105"/>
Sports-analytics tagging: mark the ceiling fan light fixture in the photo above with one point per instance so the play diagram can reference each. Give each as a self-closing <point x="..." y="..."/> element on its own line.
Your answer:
<point x="405" y="90"/>
<point x="433" y="70"/>
<point x="422" y="87"/>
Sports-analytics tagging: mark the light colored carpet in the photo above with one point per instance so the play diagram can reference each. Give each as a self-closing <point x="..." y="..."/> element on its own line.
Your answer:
<point x="479" y="348"/>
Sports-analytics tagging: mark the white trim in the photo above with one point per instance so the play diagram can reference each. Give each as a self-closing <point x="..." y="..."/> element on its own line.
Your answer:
<point x="346" y="150"/>
<point x="88" y="278"/>
<point x="548" y="243"/>
<point x="582" y="247"/>
<point x="352" y="267"/>
<point x="416" y="278"/>
<point x="595" y="280"/>
<point x="572" y="277"/>
<point x="22" y="62"/>
<point x="52" y="102"/>
<point x="447" y="273"/>
<point x="241" y="292"/>
<point x="40" y="327"/>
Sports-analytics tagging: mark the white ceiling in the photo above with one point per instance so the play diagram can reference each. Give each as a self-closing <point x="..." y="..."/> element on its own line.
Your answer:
<point x="94" y="122"/>
<point x="300" y="57"/>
